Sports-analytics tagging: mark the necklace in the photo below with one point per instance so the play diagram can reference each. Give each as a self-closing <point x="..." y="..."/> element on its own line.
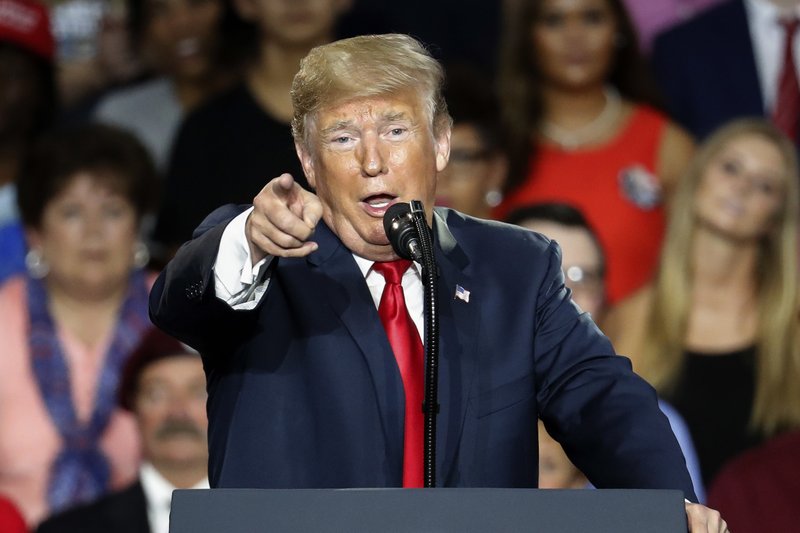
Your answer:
<point x="575" y="138"/>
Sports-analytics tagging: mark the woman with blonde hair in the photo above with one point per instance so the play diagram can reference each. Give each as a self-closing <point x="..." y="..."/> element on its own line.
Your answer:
<point x="717" y="331"/>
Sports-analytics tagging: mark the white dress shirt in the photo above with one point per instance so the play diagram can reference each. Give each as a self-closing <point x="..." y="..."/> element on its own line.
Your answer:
<point x="239" y="283"/>
<point x="158" y="494"/>
<point x="768" y="36"/>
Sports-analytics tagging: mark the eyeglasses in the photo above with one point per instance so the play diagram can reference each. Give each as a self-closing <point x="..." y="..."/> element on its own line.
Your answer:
<point x="583" y="278"/>
<point x="161" y="395"/>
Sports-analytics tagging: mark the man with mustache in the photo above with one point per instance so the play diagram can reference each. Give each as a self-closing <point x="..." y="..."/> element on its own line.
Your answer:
<point x="163" y="385"/>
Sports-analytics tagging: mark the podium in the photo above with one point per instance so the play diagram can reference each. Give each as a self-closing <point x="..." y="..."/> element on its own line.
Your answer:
<point x="427" y="510"/>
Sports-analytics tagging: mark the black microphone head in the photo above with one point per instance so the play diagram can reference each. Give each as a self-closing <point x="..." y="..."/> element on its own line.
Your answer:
<point x="398" y="224"/>
<point x="395" y="211"/>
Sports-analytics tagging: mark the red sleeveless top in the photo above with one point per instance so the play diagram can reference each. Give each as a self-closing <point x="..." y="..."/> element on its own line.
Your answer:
<point x="615" y="186"/>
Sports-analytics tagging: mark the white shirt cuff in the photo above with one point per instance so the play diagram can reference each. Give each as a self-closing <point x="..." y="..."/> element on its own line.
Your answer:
<point x="237" y="281"/>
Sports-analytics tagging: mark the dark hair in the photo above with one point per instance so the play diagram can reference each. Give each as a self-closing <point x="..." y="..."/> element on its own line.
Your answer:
<point x="114" y="156"/>
<point x="471" y="101"/>
<point x="520" y="83"/>
<point x="561" y="214"/>
<point x="154" y="345"/>
<point x="44" y="89"/>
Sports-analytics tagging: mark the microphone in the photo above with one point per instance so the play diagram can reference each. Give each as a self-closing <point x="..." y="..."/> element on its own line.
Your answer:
<point x="398" y="223"/>
<point x="411" y="238"/>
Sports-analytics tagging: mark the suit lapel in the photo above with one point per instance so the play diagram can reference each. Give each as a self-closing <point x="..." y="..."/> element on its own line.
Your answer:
<point x="737" y="52"/>
<point x="459" y="322"/>
<point x="340" y="279"/>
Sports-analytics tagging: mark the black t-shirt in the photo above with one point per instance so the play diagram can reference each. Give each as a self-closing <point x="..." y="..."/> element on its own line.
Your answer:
<point x="225" y="152"/>
<point x="714" y="394"/>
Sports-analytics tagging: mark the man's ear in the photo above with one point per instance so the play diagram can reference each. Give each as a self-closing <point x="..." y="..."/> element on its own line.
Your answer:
<point x="307" y="161"/>
<point x="442" y="149"/>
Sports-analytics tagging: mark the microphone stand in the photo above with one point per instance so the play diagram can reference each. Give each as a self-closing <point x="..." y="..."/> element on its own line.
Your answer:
<point x="430" y="405"/>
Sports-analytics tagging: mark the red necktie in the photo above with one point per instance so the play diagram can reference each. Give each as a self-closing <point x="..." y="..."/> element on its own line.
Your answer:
<point x="786" y="114"/>
<point x="407" y="347"/>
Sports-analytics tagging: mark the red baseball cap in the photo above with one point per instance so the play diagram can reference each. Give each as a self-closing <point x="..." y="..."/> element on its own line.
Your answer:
<point x="26" y="23"/>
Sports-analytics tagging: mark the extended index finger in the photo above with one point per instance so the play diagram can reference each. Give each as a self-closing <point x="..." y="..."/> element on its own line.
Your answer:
<point x="283" y="185"/>
<point x="302" y="203"/>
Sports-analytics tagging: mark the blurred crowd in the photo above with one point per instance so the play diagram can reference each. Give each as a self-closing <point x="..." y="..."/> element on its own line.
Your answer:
<point x="656" y="141"/>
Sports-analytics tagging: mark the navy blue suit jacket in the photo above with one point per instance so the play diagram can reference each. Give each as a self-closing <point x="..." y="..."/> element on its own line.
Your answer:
<point x="707" y="70"/>
<point x="304" y="390"/>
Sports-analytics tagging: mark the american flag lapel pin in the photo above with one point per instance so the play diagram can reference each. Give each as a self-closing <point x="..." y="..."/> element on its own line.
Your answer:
<point x="462" y="293"/>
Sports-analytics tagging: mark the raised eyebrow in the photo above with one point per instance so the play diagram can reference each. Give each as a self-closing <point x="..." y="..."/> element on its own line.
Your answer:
<point x="395" y="116"/>
<point x="337" y="126"/>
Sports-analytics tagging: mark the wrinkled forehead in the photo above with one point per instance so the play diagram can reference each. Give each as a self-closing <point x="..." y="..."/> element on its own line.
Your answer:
<point x="354" y="112"/>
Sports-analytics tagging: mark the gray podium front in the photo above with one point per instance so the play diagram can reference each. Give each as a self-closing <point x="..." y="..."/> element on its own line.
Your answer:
<point x="427" y="510"/>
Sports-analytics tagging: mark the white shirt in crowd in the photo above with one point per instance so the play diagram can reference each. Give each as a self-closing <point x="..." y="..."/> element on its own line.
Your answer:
<point x="158" y="494"/>
<point x="768" y="36"/>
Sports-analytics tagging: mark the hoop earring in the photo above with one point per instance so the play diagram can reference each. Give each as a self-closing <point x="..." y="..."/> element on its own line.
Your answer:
<point x="35" y="264"/>
<point x="141" y="255"/>
<point x="493" y="198"/>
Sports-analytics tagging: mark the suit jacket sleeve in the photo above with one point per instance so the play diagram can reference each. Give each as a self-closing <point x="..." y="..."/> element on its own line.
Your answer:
<point x="183" y="301"/>
<point x="606" y="417"/>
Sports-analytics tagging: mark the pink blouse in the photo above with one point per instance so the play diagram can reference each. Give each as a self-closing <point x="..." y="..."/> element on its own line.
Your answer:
<point x="29" y="441"/>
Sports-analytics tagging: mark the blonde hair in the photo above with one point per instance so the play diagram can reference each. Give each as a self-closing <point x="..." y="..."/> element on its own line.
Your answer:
<point x="777" y="392"/>
<point x="365" y="66"/>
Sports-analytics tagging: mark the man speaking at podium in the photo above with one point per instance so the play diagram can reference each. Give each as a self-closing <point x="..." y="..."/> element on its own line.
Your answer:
<point x="310" y="327"/>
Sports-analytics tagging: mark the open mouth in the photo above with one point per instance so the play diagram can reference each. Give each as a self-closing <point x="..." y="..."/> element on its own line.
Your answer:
<point x="377" y="204"/>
